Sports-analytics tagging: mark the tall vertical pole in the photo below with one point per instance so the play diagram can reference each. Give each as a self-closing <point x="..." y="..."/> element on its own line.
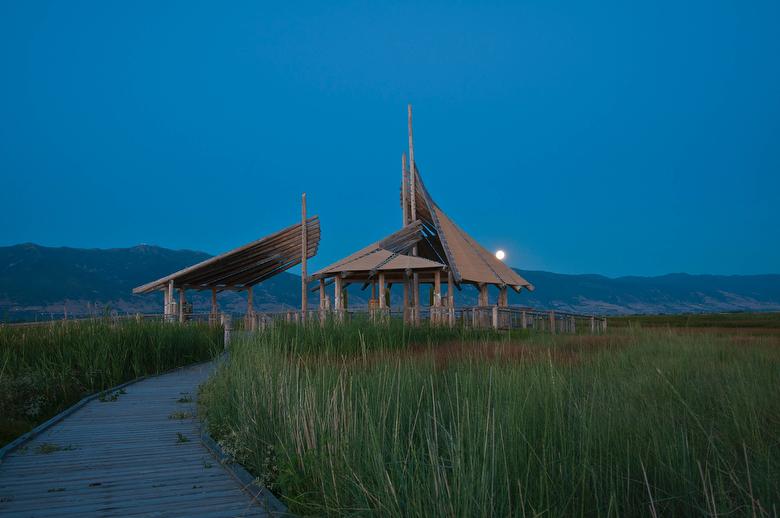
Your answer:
<point x="304" y="250"/>
<point x="412" y="175"/>
<point x="404" y="190"/>
<point x="413" y="202"/>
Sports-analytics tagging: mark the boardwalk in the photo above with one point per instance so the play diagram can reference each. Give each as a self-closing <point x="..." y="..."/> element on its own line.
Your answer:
<point x="139" y="455"/>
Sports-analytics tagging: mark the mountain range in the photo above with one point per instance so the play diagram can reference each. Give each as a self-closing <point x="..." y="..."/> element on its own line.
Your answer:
<point x="38" y="282"/>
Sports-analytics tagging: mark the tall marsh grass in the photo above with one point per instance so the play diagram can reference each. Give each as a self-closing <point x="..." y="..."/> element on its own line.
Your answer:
<point x="375" y="420"/>
<point x="44" y="369"/>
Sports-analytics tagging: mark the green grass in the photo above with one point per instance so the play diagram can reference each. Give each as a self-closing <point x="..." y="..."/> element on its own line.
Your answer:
<point x="701" y="320"/>
<point x="45" y="369"/>
<point x="375" y="420"/>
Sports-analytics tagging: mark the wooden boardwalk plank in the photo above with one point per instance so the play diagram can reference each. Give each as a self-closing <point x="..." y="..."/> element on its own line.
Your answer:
<point x="125" y="458"/>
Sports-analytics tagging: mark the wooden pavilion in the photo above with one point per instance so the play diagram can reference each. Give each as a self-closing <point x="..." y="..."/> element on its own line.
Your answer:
<point x="242" y="268"/>
<point x="429" y="247"/>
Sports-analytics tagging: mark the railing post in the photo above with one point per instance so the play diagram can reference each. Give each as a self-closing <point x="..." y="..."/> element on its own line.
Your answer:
<point x="226" y="325"/>
<point x="552" y="322"/>
<point x="495" y="317"/>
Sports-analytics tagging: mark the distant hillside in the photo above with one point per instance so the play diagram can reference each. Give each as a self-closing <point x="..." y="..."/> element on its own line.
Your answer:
<point x="39" y="282"/>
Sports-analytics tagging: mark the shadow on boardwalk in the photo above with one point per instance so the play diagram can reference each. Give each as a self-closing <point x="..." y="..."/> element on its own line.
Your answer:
<point x="133" y="452"/>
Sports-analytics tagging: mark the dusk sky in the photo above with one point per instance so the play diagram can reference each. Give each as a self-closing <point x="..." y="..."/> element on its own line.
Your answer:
<point x="600" y="137"/>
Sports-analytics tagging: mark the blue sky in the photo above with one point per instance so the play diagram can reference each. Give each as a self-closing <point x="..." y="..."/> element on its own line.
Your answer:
<point x="605" y="137"/>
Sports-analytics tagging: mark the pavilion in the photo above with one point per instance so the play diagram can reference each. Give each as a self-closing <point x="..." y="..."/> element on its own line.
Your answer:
<point x="429" y="246"/>
<point x="242" y="268"/>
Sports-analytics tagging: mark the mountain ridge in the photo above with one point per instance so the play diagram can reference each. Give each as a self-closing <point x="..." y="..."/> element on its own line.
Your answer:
<point x="40" y="282"/>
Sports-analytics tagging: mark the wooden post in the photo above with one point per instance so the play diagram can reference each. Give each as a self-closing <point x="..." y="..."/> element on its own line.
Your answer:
<point x="323" y="301"/>
<point x="436" y="297"/>
<point x="495" y="317"/>
<point x="552" y="322"/>
<point x="592" y="325"/>
<point x="412" y="173"/>
<point x="214" y="307"/>
<point x="226" y="325"/>
<point x="166" y="303"/>
<point x="404" y="190"/>
<point x="250" y="308"/>
<point x="416" y="296"/>
<point x="182" y="300"/>
<point x="503" y="298"/>
<point x="483" y="295"/>
<point x="406" y="299"/>
<point x="304" y="254"/>
<point x="171" y="303"/>
<point x="382" y="302"/>
<point x="451" y="298"/>
<point x="523" y="322"/>
<point x="337" y="297"/>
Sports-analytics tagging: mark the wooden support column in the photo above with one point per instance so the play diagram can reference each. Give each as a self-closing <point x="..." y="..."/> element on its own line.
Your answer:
<point x="495" y="317"/>
<point x="166" y="303"/>
<point x="483" y="295"/>
<point x="450" y="298"/>
<point x="416" y="297"/>
<point x="503" y="298"/>
<point x="304" y="250"/>
<point x="436" y="314"/>
<point x="182" y="300"/>
<point x="323" y="302"/>
<point x="408" y="299"/>
<point x="382" y="301"/>
<point x="523" y="321"/>
<point x="171" y="303"/>
<point x="214" y="307"/>
<point x="337" y="297"/>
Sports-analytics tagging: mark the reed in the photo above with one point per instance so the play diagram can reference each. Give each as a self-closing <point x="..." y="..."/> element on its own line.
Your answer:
<point x="46" y="368"/>
<point x="374" y="420"/>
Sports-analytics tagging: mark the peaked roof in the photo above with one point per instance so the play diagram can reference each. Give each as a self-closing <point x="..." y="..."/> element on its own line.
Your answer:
<point x="246" y="265"/>
<point x="447" y="242"/>
<point x="387" y="254"/>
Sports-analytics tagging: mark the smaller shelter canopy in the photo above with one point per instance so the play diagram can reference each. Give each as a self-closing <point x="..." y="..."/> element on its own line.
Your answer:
<point x="247" y="265"/>
<point x="387" y="255"/>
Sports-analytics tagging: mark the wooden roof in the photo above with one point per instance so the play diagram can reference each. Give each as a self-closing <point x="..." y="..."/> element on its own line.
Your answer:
<point x="389" y="254"/>
<point x="469" y="261"/>
<point x="247" y="265"/>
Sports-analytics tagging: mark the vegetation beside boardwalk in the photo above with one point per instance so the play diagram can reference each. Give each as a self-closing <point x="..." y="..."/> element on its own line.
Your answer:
<point x="46" y="368"/>
<point x="428" y="422"/>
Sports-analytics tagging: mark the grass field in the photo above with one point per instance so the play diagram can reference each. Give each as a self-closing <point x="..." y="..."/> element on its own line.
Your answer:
<point x="44" y="369"/>
<point x="640" y="421"/>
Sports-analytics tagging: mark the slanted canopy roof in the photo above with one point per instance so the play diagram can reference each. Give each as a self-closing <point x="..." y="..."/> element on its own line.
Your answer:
<point x="247" y="265"/>
<point x="447" y="242"/>
<point x="388" y="254"/>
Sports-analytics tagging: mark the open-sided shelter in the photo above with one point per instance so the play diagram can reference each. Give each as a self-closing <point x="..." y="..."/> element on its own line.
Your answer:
<point x="240" y="269"/>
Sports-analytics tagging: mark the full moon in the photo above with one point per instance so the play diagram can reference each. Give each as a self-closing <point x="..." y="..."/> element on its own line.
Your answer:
<point x="500" y="255"/>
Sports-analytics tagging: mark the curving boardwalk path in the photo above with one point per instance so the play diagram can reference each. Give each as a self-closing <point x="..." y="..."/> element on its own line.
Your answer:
<point x="126" y="457"/>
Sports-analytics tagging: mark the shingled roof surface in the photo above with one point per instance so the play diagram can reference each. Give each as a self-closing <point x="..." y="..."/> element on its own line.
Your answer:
<point x="387" y="254"/>
<point x="469" y="261"/>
